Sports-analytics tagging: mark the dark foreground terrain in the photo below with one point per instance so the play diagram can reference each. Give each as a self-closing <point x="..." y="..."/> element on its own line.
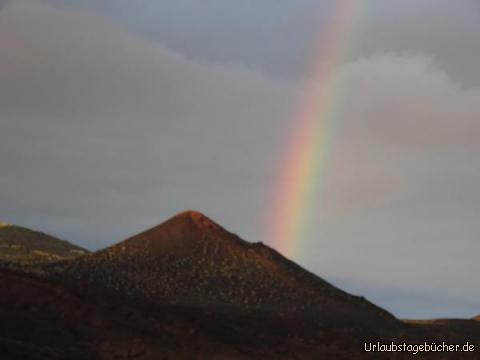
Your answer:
<point x="189" y="289"/>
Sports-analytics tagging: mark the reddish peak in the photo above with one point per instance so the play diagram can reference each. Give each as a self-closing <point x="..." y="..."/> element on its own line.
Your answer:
<point x="197" y="217"/>
<point x="179" y="234"/>
<point x="193" y="214"/>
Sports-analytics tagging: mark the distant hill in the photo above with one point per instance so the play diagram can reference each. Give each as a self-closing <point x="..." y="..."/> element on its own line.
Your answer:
<point x="22" y="245"/>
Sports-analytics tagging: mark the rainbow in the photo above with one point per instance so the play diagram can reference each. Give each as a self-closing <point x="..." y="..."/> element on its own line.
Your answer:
<point x="303" y="166"/>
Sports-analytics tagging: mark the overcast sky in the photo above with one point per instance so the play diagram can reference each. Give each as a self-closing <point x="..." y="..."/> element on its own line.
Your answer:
<point x="115" y="115"/>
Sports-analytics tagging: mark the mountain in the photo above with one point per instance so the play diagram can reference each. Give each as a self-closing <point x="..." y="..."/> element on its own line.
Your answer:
<point x="191" y="261"/>
<point x="187" y="289"/>
<point x="22" y="245"/>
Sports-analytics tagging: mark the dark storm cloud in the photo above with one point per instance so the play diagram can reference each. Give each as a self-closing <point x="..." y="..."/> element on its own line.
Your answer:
<point x="278" y="36"/>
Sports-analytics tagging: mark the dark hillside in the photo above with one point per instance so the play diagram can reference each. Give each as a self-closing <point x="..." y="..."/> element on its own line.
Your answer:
<point x="22" y="245"/>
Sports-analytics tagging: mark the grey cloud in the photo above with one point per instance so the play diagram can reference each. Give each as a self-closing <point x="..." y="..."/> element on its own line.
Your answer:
<point x="4" y="3"/>
<point x="443" y="28"/>
<point x="278" y="36"/>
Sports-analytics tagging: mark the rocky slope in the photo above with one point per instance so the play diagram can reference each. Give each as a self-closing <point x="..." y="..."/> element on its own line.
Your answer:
<point x="191" y="261"/>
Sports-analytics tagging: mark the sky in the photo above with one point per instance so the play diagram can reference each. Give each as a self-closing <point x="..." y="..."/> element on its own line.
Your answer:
<point x="115" y="115"/>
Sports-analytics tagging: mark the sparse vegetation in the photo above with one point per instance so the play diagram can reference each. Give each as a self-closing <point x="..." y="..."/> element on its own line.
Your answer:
<point x="25" y="246"/>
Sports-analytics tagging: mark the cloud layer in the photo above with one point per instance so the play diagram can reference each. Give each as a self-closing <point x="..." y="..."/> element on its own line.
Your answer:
<point x="277" y="36"/>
